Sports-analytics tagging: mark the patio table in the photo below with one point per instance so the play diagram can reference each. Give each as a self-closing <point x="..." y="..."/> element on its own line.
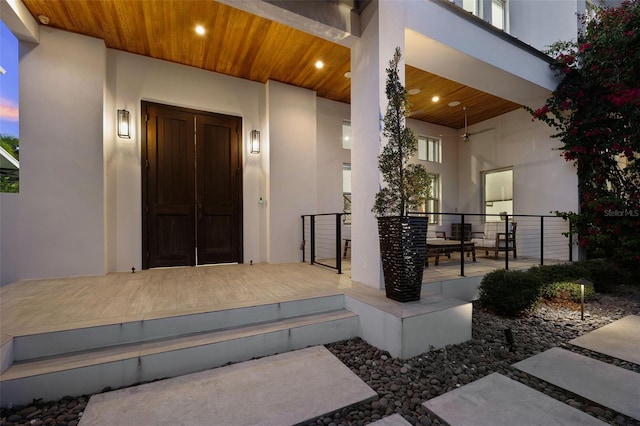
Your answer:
<point x="438" y="247"/>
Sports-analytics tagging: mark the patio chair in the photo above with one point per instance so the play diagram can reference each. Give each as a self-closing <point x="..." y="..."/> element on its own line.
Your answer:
<point x="434" y="236"/>
<point x="494" y="239"/>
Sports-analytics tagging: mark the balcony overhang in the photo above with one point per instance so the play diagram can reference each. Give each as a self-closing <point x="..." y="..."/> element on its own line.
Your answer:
<point x="465" y="49"/>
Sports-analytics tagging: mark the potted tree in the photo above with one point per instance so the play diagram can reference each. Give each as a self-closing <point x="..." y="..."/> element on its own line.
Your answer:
<point x="402" y="236"/>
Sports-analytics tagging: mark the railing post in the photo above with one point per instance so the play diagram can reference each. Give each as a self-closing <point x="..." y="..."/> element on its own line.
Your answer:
<point x="541" y="240"/>
<point x="303" y="240"/>
<point x="506" y="248"/>
<point x="570" y="242"/>
<point x="462" y="245"/>
<point x="313" y="238"/>
<point x="338" y="242"/>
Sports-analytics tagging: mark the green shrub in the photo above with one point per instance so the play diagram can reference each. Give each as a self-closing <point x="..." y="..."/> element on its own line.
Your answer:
<point x="605" y="276"/>
<point x="509" y="292"/>
<point x="548" y="274"/>
<point x="567" y="290"/>
<point x="561" y="272"/>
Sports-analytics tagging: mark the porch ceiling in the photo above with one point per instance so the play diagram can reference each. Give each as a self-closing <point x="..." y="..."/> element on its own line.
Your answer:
<point x="248" y="46"/>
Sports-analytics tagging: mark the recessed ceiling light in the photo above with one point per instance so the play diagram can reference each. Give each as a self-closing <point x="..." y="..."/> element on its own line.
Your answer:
<point x="44" y="19"/>
<point x="319" y="64"/>
<point x="454" y="103"/>
<point x="347" y="74"/>
<point x="413" y="91"/>
<point x="200" y="29"/>
<point x="435" y="99"/>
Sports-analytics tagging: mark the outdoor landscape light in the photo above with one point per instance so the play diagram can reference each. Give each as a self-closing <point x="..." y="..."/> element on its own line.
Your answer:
<point x="255" y="141"/>
<point x="124" y="124"/>
<point x="582" y="282"/>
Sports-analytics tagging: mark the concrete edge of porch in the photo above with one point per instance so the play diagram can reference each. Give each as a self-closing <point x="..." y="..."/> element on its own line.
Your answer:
<point x="462" y="288"/>
<point x="6" y="352"/>
<point x="409" y="329"/>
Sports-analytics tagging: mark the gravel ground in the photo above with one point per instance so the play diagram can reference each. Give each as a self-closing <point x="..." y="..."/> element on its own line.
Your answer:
<point x="403" y="385"/>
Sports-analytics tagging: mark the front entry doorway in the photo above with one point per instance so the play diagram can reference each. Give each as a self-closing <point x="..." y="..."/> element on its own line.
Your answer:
<point x="191" y="187"/>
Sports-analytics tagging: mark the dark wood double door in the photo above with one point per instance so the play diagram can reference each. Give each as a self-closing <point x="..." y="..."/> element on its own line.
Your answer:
<point x="191" y="187"/>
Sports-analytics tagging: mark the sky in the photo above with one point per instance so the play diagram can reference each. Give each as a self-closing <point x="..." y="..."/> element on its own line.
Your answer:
<point x="8" y="82"/>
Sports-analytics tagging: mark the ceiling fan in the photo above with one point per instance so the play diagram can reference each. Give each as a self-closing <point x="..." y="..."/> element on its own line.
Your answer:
<point x="466" y="136"/>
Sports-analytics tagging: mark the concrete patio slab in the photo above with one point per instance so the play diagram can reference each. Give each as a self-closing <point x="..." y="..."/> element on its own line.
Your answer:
<point x="496" y="400"/>
<point x="603" y="383"/>
<point x="394" y="420"/>
<point x="620" y="339"/>
<point x="283" y="389"/>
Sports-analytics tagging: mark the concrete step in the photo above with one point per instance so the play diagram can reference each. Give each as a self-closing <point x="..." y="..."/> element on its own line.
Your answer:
<point x="620" y="339"/>
<point x="88" y="372"/>
<point x="496" y="400"/>
<point x="285" y="389"/>
<point x="47" y="344"/>
<point x="597" y="381"/>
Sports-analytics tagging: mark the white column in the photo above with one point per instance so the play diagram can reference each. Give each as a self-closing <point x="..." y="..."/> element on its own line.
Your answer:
<point x="382" y="25"/>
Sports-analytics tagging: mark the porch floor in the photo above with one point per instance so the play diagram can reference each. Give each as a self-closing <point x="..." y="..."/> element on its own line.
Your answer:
<point x="36" y="306"/>
<point x="449" y="269"/>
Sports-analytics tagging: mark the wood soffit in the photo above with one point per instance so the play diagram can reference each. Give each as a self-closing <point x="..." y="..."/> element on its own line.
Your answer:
<point x="248" y="46"/>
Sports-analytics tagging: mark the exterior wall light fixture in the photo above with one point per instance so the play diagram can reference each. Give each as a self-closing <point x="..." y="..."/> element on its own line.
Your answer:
<point x="124" y="124"/>
<point x="254" y="140"/>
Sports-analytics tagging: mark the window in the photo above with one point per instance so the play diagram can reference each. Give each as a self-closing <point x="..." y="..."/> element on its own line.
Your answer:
<point x="432" y="203"/>
<point x="429" y="149"/>
<point x="346" y="135"/>
<point x="9" y="127"/>
<point x="498" y="14"/>
<point x="498" y="193"/>
<point x="470" y="6"/>
<point x="346" y="192"/>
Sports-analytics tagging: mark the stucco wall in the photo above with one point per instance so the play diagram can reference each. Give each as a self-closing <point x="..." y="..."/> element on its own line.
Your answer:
<point x="330" y="154"/>
<point x="447" y="169"/>
<point x="54" y="227"/>
<point x="541" y="23"/>
<point x="292" y="165"/>
<point x="542" y="181"/>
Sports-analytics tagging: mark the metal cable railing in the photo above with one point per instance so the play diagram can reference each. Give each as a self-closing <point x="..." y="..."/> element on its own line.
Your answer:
<point x="322" y="240"/>
<point x="536" y="236"/>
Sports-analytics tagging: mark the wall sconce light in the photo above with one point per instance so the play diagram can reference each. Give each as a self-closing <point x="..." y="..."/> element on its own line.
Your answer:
<point x="124" y="124"/>
<point x="255" y="141"/>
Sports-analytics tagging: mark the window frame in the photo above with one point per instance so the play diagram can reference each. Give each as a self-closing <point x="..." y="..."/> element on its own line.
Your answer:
<point x="436" y="198"/>
<point x="427" y="141"/>
<point x="345" y="145"/>
<point x="502" y="4"/>
<point x="346" y="196"/>
<point x="484" y="201"/>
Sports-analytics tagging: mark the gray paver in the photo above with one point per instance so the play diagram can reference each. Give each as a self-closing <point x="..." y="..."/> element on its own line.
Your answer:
<point x="496" y="400"/>
<point x="395" y="420"/>
<point x="606" y="384"/>
<point x="620" y="339"/>
<point x="283" y="389"/>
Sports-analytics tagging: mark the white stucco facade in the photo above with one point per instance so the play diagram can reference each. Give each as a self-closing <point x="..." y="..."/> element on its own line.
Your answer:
<point x="55" y="225"/>
<point x="79" y="211"/>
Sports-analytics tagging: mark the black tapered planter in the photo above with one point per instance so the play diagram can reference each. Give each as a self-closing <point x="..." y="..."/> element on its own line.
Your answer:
<point x="403" y="251"/>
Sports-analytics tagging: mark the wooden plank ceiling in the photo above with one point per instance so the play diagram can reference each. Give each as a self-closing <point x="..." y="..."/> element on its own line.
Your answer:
<point x="243" y="45"/>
